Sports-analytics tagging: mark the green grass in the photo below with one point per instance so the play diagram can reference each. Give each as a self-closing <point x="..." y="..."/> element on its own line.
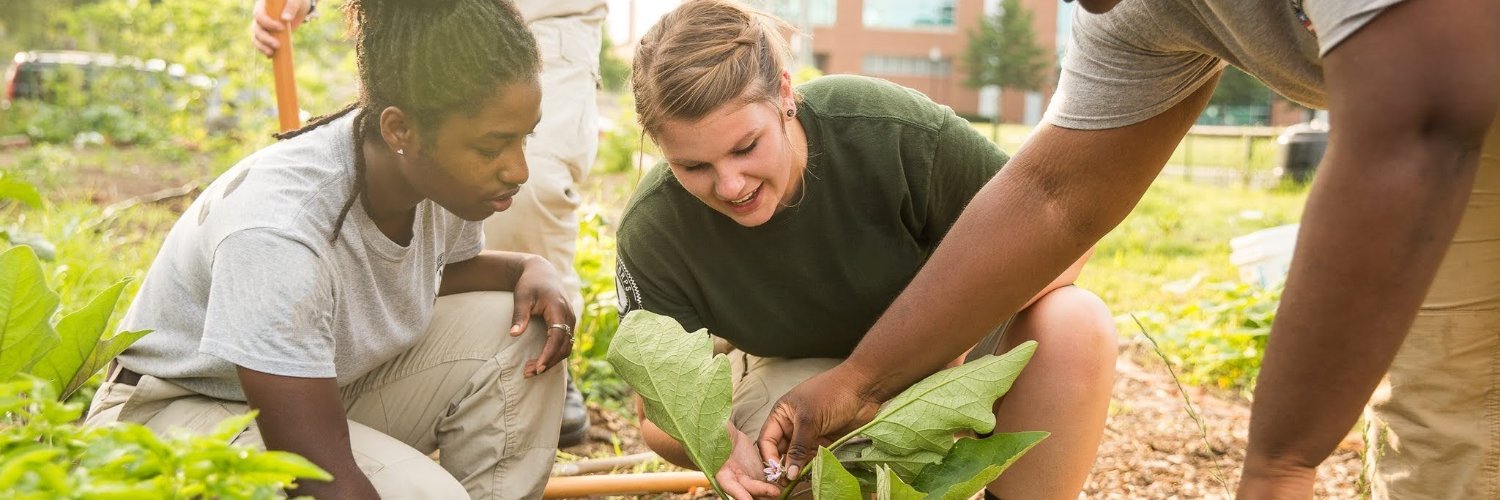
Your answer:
<point x="92" y="253"/>
<point x="1179" y="231"/>
<point x="1168" y="264"/>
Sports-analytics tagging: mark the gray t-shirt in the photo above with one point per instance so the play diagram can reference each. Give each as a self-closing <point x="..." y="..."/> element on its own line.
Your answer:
<point x="1145" y="56"/>
<point x="248" y="275"/>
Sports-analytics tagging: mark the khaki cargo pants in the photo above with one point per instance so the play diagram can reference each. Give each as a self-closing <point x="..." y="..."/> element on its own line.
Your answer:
<point x="1435" y="433"/>
<point x="459" y="390"/>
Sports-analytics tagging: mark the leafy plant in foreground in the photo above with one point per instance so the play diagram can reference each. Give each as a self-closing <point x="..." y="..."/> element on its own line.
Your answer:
<point x="44" y="453"/>
<point x="65" y="353"/>
<point x="907" y="451"/>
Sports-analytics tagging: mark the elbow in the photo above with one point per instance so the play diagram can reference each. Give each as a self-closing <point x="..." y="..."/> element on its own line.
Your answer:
<point x="1434" y="145"/>
<point x="1444" y="133"/>
<point x="1455" y="129"/>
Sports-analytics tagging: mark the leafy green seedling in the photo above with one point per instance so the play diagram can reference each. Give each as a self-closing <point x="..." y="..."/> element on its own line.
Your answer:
<point x="909" y="448"/>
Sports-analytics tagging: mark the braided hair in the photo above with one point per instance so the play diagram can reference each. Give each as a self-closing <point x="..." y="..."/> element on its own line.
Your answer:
<point x="429" y="58"/>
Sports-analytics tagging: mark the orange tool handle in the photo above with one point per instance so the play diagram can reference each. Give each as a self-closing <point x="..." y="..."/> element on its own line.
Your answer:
<point x="625" y="484"/>
<point x="281" y="65"/>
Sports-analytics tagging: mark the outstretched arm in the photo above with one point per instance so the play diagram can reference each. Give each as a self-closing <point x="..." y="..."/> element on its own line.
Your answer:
<point x="1058" y="195"/>
<point x="1411" y="97"/>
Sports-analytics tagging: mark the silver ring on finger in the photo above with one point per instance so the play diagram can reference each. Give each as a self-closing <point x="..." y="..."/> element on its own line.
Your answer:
<point x="562" y="326"/>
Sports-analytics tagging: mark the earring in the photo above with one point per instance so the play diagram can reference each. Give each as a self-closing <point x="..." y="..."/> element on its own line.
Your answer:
<point x="401" y="152"/>
<point x="790" y="112"/>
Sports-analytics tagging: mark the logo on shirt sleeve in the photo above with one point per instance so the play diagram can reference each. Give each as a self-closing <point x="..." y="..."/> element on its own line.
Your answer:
<point x="625" y="289"/>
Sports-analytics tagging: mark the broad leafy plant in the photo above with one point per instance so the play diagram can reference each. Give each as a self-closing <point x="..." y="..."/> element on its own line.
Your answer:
<point x="65" y="353"/>
<point x="912" y="448"/>
<point x="44" y="453"/>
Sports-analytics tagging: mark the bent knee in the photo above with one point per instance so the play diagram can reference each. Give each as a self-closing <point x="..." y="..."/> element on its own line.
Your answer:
<point x="1072" y="324"/>
<point x="416" y="478"/>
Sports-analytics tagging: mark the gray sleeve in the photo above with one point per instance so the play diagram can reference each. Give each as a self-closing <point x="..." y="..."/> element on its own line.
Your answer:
<point x="1336" y="20"/>
<point x="1123" y="68"/>
<point x="466" y="242"/>
<point x="270" y="306"/>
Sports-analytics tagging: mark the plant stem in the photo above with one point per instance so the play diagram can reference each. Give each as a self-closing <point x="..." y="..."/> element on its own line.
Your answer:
<point x="1202" y="427"/>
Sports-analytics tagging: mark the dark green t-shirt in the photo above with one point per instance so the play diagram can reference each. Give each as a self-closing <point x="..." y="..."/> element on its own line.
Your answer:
<point x="888" y="173"/>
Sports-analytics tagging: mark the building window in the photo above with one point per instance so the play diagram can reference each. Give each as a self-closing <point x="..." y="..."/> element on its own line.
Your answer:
<point x="819" y="12"/>
<point x="909" y="14"/>
<point x="878" y="65"/>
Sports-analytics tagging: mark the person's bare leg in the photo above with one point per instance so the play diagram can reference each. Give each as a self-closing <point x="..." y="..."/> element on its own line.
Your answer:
<point x="1065" y="390"/>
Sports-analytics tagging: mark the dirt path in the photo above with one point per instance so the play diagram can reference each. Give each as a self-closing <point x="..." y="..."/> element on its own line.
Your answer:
<point x="1153" y="448"/>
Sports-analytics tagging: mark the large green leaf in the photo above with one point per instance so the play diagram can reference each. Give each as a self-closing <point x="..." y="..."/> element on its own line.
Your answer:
<point x="907" y="466"/>
<point x="685" y="386"/>
<point x="831" y="481"/>
<point x="926" y="415"/>
<point x="974" y="463"/>
<point x="26" y="307"/>
<point x="12" y="189"/>
<point x="889" y="486"/>
<point x="82" y="352"/>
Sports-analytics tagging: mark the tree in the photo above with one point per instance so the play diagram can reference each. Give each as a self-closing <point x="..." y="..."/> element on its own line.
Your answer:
<point x="1003" y="52"/>
<point x="1237" y="93"/>
<point x="1237" y="88"/>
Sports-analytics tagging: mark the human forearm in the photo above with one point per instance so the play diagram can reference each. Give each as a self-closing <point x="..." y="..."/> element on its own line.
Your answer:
<point x="1060" y="193"/>
<point x="1373" y="235"/>
<point x="964" y="290"/>
<point x="1411" y="96"/>
<point x="489" y="271"/>
<point x="305" y="416"/>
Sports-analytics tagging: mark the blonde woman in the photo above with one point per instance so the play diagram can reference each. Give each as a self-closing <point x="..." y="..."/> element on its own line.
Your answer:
<point x="787" y="219"/>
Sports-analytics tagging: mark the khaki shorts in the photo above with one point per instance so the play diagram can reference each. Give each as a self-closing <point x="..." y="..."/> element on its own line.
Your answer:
<point x="1434" y="428"/>
<point x="459" y="390"/>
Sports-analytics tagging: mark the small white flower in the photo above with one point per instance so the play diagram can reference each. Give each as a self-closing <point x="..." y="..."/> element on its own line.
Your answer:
<point x="773" y="471"/>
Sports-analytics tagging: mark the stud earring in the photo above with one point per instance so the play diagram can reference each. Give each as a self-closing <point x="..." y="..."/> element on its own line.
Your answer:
<point x="401" y="152"/>
<point x="790" y="112"/>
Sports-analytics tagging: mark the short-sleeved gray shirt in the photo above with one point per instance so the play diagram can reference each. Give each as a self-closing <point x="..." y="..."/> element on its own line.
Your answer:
<point x="248" y="275"/>
<point x="1144" y="56"/>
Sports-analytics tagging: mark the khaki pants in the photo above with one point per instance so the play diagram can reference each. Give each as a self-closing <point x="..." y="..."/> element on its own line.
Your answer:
<point x="1435" y="433"/>
<point x="760" y="382"/>
<point x="543" y="219"/>
<point x="459" y="390"/>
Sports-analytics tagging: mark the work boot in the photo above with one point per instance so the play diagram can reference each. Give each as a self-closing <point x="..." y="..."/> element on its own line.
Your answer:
<point x="575" y="417"/>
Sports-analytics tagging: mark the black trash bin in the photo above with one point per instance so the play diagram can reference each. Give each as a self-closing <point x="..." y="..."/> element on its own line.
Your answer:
<point x="1302" y="147"/>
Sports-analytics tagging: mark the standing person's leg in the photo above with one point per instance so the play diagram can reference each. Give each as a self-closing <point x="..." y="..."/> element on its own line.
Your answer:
<point x="460" y="391"/>
<point x="543" y="218"/>
<point x="1436" y="433"/>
